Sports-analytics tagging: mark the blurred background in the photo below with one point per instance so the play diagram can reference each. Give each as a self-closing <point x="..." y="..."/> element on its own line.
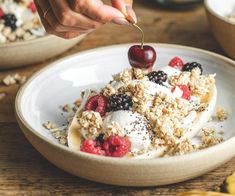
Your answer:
<point x="163" y="21"/>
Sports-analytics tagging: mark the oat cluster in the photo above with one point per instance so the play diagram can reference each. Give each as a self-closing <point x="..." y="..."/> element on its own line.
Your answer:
<point x="61" y="136"/>
<point x="66" y="108"/>
<point x="130" y="74"/>
<point x="137" y="92"/>
<point x="58" y="133"/>
<point x="49" y="125"/>
<point x="209" y="138"/>
<point x="11" y="80"/>
<point x="14" y="79"/>
<point x="221" y="114"/>
<point x="78" y="103"/>
<point x="91" y="123"/>
<point x="108" y="90"/>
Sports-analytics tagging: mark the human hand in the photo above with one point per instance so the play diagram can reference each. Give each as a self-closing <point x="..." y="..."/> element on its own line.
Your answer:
<point x="68" y="19"/>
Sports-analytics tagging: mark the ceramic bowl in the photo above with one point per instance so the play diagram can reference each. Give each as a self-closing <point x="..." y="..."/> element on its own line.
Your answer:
<point x="222" y="27"/>
<point x="23" y="53"/>
<point x="39" y="99"/>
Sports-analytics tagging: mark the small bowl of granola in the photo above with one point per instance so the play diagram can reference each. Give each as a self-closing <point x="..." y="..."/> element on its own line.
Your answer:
<point x="221" y="16"/>
<point x="151" y="123"/>
<point x="23" y="40"/>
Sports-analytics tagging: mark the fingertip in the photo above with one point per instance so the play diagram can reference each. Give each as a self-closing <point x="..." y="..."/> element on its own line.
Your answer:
<point x="131" y="16"/>
<point x="125" y="7"/>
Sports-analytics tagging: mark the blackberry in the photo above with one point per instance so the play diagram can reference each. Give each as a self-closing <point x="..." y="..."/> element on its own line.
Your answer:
<point x="190" y="66"/>
<point x="10" y="21"/>
<point x="119" y="102"/>
<point x="157" y="76"/>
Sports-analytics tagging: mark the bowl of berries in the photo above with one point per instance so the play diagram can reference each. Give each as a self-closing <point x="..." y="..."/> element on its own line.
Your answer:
<point x="132" y="115"/>
<point x="23" y="40"/>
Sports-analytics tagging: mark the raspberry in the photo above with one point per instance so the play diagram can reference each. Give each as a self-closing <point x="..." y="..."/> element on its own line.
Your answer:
<point x="1" y="13"/>
<point x="176" y="63"/>
<point x="91" y="146"/>
<point x="186" y="91"/>
<point x="32" y="7"/>
<point x="116" y="146"/>
<point x="97" y="103"/>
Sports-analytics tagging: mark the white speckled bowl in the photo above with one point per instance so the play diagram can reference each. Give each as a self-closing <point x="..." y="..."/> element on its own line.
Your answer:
<point x="22" y="53"/>
<point x="39" y="100"/>
<point x="222" y="27"/>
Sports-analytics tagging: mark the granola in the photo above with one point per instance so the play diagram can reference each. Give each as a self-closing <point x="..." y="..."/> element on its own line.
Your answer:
<point x="209" y="138"/>
<point x="147" y="114"/>
<point x="66" y="108"/>
<point x="14" y="79"/>
<point x="90" y="124"/>
<point x="49" y="125"/>
<point x="221" y="114"/>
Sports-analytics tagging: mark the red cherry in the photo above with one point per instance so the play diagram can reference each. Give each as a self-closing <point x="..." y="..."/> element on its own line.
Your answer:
<point x="143" y="58"/>
<point x="1" y="13"/>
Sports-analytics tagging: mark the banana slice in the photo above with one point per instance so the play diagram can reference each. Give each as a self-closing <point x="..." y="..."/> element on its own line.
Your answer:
<point x="204" y="116"/>
<point x="74" y="136"/>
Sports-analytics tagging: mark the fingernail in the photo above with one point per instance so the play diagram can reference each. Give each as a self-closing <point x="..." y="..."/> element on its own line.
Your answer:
<point x="131" y="16"/>
<point x="120" y="21"/>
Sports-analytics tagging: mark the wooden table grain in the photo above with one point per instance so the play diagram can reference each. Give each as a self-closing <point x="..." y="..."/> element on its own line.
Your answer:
<point x="23" y="171"/>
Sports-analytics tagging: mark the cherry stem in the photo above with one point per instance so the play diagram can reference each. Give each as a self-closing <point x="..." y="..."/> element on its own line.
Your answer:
<point x="142" y="33"/>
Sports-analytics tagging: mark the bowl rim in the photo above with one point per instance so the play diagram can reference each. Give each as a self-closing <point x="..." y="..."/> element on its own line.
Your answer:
<point x="36" y="40"/>
<point x="111" y="160"/>
<point x="223" y="18"/>
<point x="26" y="42"/>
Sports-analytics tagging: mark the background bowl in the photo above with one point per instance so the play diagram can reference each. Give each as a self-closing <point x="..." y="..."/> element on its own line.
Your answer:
<point x="39" y="99"/>
<point x="24" y="53"/>
<point x="222" y="27"/>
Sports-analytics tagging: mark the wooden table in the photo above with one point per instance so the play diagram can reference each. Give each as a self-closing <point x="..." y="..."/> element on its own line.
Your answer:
<point x="23" y="171"/>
